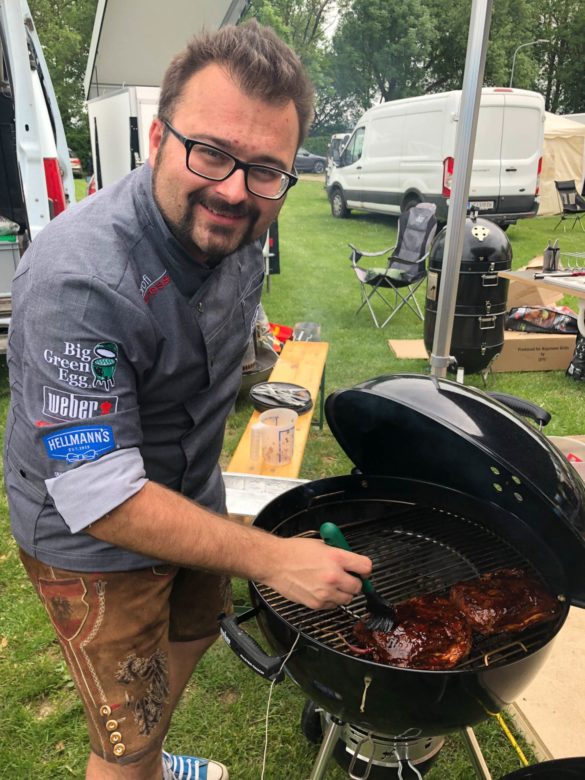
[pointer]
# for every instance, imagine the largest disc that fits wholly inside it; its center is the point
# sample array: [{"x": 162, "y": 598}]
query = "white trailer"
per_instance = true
[
  {"x": 118, "y": 125},
  {"x": 130, "y": 49}
]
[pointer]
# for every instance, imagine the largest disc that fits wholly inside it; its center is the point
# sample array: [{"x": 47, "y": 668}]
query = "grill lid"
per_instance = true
[
  {"x": 437, "y": 430},
  {"x": 485, "y": 248}
]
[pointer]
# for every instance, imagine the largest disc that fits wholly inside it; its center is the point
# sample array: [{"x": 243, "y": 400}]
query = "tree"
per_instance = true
[
  {"x": 303, "y": 24},
  {"x": 380, "y": 49},
  {"x": 512, "y": 22},
  {"x": 64, "y": 28},
  {"x": 563, "y": 23}
]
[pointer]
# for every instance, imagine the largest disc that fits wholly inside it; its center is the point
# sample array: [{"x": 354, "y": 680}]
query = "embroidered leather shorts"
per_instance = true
[{"x": 114, "y": 629}]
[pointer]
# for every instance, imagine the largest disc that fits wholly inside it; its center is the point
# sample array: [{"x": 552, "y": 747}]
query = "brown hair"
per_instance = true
[{"x": 257, "y": 59}]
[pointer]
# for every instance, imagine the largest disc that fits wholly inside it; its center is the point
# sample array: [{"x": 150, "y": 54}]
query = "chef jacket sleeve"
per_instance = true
[{"x": 85, "y": 351}]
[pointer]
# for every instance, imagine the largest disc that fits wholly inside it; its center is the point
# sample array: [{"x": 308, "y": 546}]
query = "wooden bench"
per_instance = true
[{"x": 302, "y": 363}]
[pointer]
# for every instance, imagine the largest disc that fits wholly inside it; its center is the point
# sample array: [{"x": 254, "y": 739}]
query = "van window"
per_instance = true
[
  {"x": 385, "y": 137},
  {"x": 522, "y": 128},
  {"x": 354, "y": 149}
]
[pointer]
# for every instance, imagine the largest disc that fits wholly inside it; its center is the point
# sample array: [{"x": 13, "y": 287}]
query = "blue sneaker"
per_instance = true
[{"x": 191, "y": 768}]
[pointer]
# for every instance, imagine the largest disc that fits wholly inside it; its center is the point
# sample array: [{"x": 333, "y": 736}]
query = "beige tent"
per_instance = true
[{"x": 563, "y": 158}]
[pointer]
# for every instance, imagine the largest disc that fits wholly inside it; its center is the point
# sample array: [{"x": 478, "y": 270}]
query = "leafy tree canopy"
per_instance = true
[{"x": 64, "y": 28}]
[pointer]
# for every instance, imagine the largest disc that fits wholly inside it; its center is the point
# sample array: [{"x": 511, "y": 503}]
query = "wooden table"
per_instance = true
[
  {"x": 570, "y": 285},
  {"x": 302, "y": 363}
]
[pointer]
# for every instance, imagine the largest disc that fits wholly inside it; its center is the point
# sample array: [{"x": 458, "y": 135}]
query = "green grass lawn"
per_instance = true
[{"x": 224, "y": 710}]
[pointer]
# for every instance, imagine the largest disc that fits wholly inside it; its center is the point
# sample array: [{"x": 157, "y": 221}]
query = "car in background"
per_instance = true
[
  {"x": 76, "y": 166},
  {"x": 306, "y": 161}
]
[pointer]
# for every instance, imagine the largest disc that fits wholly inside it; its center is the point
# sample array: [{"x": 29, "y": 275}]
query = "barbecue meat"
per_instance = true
[
  {"x": 430, "y": 633},
  {"x": 505, "y": 601}
]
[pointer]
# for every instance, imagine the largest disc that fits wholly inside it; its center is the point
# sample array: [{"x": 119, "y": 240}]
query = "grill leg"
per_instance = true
[
  {"x": 475, "y": 754},
  {"x": 326, "y": 750}
]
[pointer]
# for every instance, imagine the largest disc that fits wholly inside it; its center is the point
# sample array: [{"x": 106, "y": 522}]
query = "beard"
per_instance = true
[
  {"x": 219, "y": 241},
  {"x": 210, "y": 242}
]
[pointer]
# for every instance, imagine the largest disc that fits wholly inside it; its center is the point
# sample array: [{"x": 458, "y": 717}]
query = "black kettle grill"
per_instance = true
[
  {"x": 480, "y": 306},
  {"x": 450, "y": 483}
]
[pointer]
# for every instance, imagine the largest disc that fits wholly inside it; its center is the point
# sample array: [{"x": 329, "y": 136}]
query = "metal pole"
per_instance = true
[
  {"x": 479, "y": 27},
  {"x": 474, "y": 751},
  {"x": 330, "y": 738}
]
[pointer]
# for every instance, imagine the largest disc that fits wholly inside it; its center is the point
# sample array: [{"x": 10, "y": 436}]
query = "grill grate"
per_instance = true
[{"x": 420, "y": 550}]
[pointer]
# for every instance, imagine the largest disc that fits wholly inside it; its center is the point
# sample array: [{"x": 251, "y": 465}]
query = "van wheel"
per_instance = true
[
  {"x": 410, "y": 202},
  {"x": 338, "y": 207},
  {"x": 319, "y": 167}
]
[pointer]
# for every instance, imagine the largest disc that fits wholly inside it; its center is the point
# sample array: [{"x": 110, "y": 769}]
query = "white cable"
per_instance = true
[{"x": 273, "y": 683}]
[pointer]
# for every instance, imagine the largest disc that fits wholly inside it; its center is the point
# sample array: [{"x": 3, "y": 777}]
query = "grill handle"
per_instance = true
[
  {"x": 523, "y": 407},
  {"x": 247, "y": 649}
]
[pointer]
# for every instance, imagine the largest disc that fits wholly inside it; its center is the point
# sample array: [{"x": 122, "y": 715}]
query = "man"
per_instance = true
[{"x": 131, "y": 315}]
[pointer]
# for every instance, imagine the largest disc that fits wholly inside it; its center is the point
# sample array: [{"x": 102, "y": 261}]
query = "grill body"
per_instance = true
[
  {"x": 478, "y": 326},
  {"x": 422, "y": 538}
]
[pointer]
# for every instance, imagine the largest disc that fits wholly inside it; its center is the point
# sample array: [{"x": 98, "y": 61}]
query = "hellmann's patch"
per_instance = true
[{"x": 83, "y": 443}]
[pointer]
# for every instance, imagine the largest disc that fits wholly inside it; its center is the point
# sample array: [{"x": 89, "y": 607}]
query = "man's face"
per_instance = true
[{"x": 212, "y": 219}]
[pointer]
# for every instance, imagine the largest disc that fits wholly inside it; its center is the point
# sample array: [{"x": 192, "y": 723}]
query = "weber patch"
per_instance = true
[
  {"x": 62, "y": 405},
  {"x": 82, "y": 443}
]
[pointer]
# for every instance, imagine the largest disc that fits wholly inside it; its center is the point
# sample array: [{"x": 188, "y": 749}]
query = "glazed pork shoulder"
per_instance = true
[
  {"x": 430, "y": 633},
  {"x": 505, "y": 601}
]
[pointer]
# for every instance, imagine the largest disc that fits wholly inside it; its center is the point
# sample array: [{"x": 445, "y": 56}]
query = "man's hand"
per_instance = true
[
  {"x": 162, "y": 524},
  {"x": 312, "y": 573}
]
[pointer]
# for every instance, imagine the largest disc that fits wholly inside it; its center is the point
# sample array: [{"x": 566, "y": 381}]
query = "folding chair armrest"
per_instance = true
[{"x": 371, "y": 254}]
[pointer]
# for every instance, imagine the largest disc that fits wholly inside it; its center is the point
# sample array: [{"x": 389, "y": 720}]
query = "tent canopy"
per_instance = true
[
  {"x": 133, "y": 41},
  {"x": 563, "y": 159}
]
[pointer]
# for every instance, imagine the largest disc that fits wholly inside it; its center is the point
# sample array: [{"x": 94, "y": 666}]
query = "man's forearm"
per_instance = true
[{"x": 160, "y": 523}]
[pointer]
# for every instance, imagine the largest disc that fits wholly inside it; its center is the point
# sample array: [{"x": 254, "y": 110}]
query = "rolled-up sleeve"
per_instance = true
[
  {"x": 81, "y": 432},
  {"x": 90, "y": 491}
]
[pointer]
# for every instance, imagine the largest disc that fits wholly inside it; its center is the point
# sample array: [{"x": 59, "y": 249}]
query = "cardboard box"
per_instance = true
[
  {"x": 526, "y": 294},
  {"x": 521, "y": 351},
  {"x": 408, "y": 349},
  {"x": 534, "y": 352}
]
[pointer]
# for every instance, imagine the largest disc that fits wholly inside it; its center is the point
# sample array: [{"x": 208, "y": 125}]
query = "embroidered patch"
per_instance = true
[
  {"x": 149, "y": 288},
  {"x": 66, "y": 604},
  {"x": 85, "y": 443},
  {"x": 76, "y": 365},
  {"x": 147, "y": 709},
  {"x": 75, "y": 406},
  {"x": 104, "y": 365}
]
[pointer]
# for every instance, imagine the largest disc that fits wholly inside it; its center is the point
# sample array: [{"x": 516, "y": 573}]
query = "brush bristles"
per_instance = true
[{"x": 380, "y": 623}]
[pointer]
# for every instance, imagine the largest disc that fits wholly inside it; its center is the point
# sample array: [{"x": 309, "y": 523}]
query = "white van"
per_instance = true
[
  {"x": 36, "y": 182},
  {"x": 402, "y": 153}
]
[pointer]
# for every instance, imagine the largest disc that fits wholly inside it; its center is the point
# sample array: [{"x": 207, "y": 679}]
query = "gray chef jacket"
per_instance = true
[{"x": 125, "y": 360}]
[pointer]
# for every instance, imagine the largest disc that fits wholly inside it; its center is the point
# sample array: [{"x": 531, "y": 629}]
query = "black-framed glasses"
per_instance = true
[{"x": 214, "y": 164}]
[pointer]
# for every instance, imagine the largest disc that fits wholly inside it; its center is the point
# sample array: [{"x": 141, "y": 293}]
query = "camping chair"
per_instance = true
[
  {"x": 405, "y": 270},
  {"x": 572, "y": 204}
]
